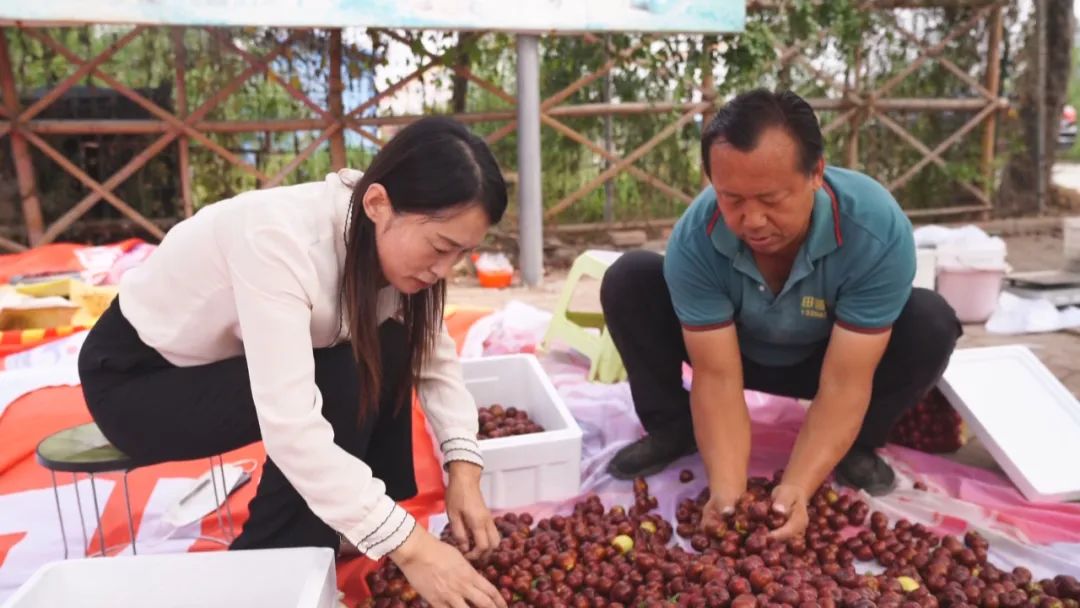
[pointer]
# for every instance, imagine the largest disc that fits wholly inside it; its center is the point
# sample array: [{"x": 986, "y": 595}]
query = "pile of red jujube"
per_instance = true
[
  {"x": 497, "y": 421},
  {"x": 622, "y": 558},
  {"x": 932, "y": 426}
]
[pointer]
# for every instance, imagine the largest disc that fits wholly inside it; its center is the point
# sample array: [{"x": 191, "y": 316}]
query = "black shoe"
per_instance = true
[
  {"x": 864, "y": 469},
  {"x": 650, "y": 455}
]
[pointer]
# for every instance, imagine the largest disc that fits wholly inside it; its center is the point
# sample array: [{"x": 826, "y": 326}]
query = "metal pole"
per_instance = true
[
  {"x": 217, "y": 499},
  {"x": 609, "y": 186},
  {"x": 97, "y": 514},
  {"x": 531, "y": 218},
  {"x": 131, "y": 518},
  {"x": 228, "y": 509},
  {"x": 1040, "y": 106},
  {"x": 82, "y": 520},
  {"x": 59, "y": 512}
]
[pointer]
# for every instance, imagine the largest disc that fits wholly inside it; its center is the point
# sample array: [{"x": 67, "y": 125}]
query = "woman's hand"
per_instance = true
[
  {"x": 470, "y": 518},
  {"x": 441, "y": 575}
]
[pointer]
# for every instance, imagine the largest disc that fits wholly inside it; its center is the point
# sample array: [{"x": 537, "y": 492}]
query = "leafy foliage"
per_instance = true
[{"x": 843, "y": 49}]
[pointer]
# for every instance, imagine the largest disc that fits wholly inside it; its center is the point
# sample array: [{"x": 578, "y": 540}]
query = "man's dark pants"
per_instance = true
[{"x": 642, "y": 322}]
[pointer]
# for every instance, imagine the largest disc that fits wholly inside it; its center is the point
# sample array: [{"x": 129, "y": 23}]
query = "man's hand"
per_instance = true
[
  {"x": 718, "y": 506},
  {"x": 790, "y": 501},
  {"x": 718, "y": 407},
  {"x": 836, "y": 414},
  {"x": 469, "y": 516}
]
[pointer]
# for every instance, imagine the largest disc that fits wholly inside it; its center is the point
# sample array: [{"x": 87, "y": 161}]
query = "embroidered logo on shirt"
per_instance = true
[{"x": 813, "y": 307}]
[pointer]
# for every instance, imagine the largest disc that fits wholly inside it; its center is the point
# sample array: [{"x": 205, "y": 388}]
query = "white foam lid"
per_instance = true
[{"x": 1028, "y": 420}]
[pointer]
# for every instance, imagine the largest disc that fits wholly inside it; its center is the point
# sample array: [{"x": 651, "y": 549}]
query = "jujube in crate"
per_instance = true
[{"x": 498, "y": 421}]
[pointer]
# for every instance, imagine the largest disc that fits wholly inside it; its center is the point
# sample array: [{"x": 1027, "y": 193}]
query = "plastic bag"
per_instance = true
[
  {"x": 1016, "y": 315},
  {"x": 493, "y": 262}
]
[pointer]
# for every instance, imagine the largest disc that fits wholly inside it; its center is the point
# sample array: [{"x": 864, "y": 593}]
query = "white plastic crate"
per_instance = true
[
  {"x": 525, "y": 469},
  {"x": 267, "y": 578}
]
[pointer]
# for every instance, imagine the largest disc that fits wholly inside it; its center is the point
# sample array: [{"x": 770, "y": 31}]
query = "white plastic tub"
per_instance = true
[
  {"x": 525, "y": 469},
  {"x": 268, "y": 578}
]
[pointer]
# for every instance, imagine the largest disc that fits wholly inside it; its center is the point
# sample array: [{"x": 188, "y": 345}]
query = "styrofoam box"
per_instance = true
[
  {"x": 525, "y": 469},
  {"x": 267, "y": 578},
  {"x": 1028, "y": 421}
]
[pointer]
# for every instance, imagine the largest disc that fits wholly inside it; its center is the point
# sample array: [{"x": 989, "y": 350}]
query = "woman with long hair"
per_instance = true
[{"x": 304, "y": 316}]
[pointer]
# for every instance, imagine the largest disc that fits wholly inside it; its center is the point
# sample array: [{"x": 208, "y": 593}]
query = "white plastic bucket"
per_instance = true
[
  {"x": 970, "y": 275},
  {"x": 972, "y": 293}
]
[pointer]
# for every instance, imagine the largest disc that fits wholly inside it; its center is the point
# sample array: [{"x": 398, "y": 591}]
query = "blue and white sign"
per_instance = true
[{"x": 687, "y": 16}]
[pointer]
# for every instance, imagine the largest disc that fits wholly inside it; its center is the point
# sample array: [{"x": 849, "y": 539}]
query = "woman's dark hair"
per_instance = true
[
  {"x": 433, "y": 166},
  {"x": 742, "y": 121}
]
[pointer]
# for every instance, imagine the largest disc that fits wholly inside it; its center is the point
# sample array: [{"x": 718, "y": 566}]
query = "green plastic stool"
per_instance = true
[
  {"x": 572, "y": 327},
  {"x": 84, "y": 449}
]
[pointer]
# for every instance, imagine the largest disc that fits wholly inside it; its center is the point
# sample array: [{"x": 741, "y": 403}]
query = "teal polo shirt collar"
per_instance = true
[{"x": 823, "y": 238}]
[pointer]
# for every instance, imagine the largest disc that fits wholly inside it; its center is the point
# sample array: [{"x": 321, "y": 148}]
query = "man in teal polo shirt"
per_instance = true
[{"x": 784, "y": 276}]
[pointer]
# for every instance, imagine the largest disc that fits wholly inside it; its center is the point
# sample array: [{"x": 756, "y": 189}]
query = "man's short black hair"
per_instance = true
[{"x": 742, "y": 120}]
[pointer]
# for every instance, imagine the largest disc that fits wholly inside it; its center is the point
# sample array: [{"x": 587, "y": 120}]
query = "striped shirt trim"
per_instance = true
[
  {"x": 863, "y": 330},
  {"x": 709, "y": 327}
]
